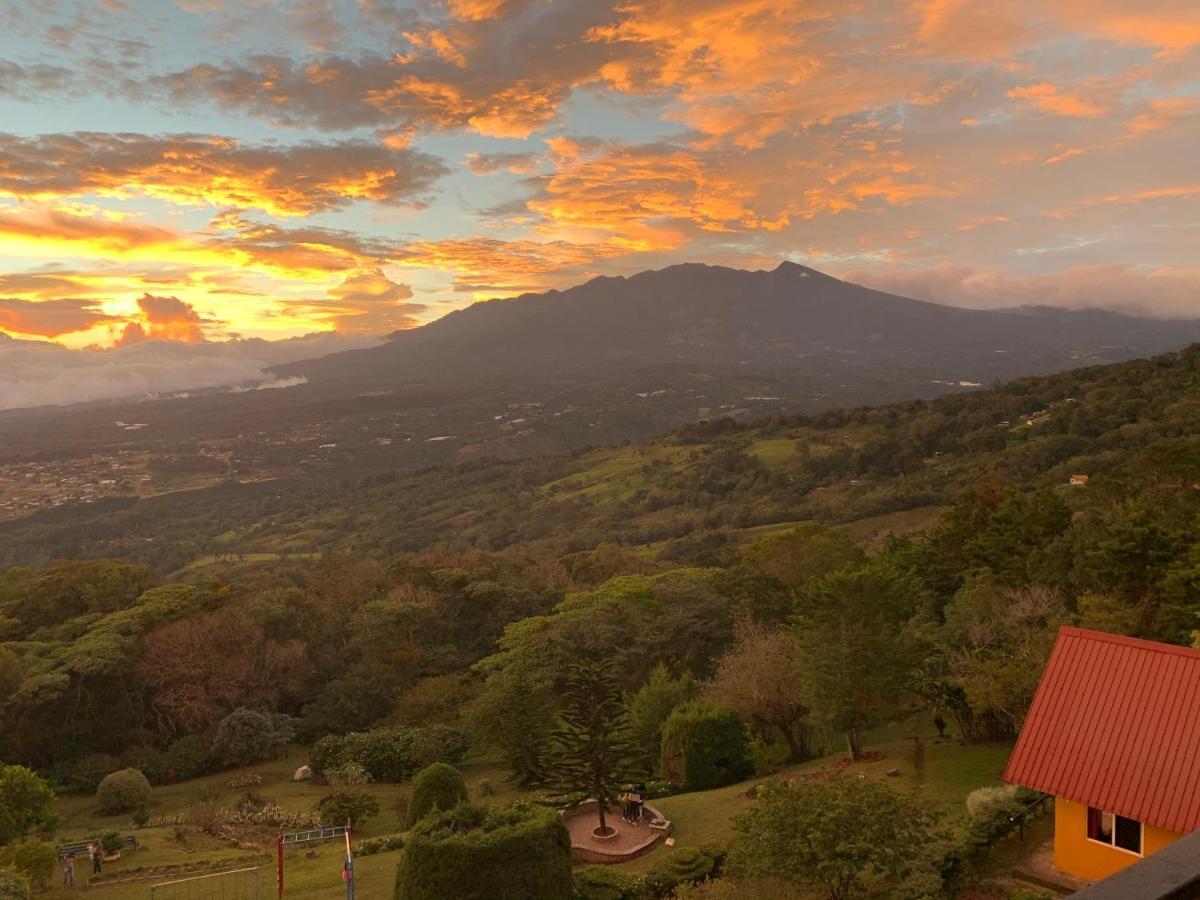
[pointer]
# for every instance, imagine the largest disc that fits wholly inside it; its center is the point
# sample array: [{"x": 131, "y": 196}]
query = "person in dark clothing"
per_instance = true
[{"x": 96, "y": 854}]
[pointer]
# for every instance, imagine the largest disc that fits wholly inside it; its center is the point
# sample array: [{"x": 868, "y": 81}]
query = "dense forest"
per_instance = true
[{"x": 718, "y": 568}]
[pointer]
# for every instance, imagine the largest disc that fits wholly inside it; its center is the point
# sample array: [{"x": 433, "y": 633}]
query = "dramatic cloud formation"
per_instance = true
[
  {"x": 212, "y": 171},
  {"x": 367, "y": 165}
]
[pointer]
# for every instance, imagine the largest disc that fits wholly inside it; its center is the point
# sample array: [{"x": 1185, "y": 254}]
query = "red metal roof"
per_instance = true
[{"x": 1115, "y": 724}]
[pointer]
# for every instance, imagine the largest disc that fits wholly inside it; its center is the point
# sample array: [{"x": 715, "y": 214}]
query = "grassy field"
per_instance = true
[
  {"x": 311, "y": 873},
  {"x": 949, "y": 772}
]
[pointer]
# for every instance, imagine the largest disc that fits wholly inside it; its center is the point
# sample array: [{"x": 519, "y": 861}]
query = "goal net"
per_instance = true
[{"x": 239, "y": 884}]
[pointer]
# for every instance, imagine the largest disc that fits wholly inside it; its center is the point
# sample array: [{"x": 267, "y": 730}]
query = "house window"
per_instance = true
[{"x": 1116, "y": 831}]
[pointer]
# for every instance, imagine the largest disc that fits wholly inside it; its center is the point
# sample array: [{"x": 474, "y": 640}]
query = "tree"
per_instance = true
[
  {"x": 25, "y": 800},
  {"x": 856, "y": 649},
  {"x": 123, "y": 791},
  {"x": 248, "y": 736},
  {"x": 436, "y": 787},
  {"x": 759, "y": 678},
  {"x": 805, "y": 552},
  {"x": 841, "y": 837},
  {"x": 652, "y": 705},
  {"x": 591, "y": 749},
  {"x": 515, "y": 713},
  {"x": 200, "y": 669},
  {"x": 997, "y": 642},
  {"x": 340, "y": 807}
]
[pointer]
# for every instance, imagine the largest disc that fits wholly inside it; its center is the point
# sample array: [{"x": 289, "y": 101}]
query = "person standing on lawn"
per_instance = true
[{"x": 68, "y": 864}]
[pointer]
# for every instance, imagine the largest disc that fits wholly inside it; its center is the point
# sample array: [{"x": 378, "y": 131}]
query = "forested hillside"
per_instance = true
[
  {"x": 1130, "y": 427},
  {"x": 782, "y": 588}
]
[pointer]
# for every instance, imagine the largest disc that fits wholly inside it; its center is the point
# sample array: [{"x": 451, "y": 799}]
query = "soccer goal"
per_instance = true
[{"x": 239, "y": 884}]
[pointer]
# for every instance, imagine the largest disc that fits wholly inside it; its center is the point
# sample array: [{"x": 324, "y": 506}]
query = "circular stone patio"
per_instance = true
[{"x": 630, "y": 841}]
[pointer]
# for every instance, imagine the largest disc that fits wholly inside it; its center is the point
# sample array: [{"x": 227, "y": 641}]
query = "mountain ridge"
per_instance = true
[{"x": 720, "y": 315}]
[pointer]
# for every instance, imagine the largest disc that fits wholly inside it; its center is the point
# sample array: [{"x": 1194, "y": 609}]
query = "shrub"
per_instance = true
[
  {"x": 687, "y": 865},
  {"x": 704, "y": 746},
  {"x": 439, "y": 743},
  {"x": 148, "y": 760},
  {"x": 436, "y": 787},
  {"x": 189, "y": 757},
  {"x": 14, "y": 885},
  {"x": 123, "y": 791},
  {"x": 371, "y": 846},
  {"x": 31, "y": 858},
  {"x": 84, "y": 775},
  {"x": 341, "y": 807},
  {"x": 110, "y": 842},
  {"x": 245, "y": 780},
  {"x": 327, "y": 753},
  {"x": 141, "y": 817},
  {"x": 993, "y": 813},
  {"x": 485, "y": 788},
  {"x": 986, "y": 802},
  {"x": 349, "y": 774},
  {"x": 25, "y": 800},
  {"x": 389, "y": 754},
  {"x": 604, "y": 883},
  {"x": 477, "y": 853},
  {"x": 247, "y": 736}
]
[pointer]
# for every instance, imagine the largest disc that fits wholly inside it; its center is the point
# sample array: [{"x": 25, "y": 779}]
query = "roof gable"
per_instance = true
[{"x": 1115, "y": 724}]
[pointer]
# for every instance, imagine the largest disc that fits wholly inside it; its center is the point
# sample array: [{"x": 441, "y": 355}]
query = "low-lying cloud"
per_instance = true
[
  {"x": 39, "y": 373},
  {"x": 1157, "y": 293}
]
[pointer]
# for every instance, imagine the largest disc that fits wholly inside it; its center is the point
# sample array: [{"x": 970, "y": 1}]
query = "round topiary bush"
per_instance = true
[
  {"x": 437, "y": 787},
  {"x": 479, "y": 853},
  {"x": 123, "y": 791}
]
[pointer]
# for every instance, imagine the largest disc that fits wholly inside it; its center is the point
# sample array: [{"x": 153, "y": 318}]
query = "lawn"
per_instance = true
[{"x": 948, "y": 774}]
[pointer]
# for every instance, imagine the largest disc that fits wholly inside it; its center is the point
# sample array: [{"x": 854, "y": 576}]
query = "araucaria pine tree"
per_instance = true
[{"x": 591, "y": 747}]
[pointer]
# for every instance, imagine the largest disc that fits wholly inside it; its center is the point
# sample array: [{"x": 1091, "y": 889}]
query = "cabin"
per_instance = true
[{"x": 1114, "y": 735}]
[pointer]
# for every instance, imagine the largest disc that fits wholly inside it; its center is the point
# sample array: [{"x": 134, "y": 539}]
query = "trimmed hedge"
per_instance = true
[
  {"x": 480, "y": 853},
  {"x": 435, "y": 788},
  {"x": 705, "y": 746},
  {"x": 123, "y": 791}
]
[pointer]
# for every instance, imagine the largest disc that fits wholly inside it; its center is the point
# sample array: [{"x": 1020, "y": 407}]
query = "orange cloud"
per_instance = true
[
  {"x": 50, "y": 318},
  {"x": 198, "y": 170},
  {"x": 1161, "y": 113},
  {"x": 1047, "y": 98},
  {"x": 164, "y": 319},
  {"x": 967, "y": 29},
  {"x": 489, "y": 267}
]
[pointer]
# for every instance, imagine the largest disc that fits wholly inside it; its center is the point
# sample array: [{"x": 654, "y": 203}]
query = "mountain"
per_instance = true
[
  {"x": 613, "y": 360},
  {"x": 770, "y": 321}
]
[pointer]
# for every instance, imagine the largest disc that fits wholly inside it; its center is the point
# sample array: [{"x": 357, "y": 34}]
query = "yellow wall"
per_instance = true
[{"x": 1076, "y": 855}]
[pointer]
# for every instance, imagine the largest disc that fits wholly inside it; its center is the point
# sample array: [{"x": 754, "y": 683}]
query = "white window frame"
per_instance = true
[{"x": 1112, "y": 844}]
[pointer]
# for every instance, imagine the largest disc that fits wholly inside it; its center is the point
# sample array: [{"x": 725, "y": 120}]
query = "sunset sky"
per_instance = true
[{"x": 203, "y": 169}]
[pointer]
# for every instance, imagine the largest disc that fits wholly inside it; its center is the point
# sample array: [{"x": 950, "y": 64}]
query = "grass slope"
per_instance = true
[{"x": 949, "y": 773}]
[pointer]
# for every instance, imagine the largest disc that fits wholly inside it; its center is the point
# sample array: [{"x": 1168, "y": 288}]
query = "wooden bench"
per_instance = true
[{"x": 81, "y": 847}]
